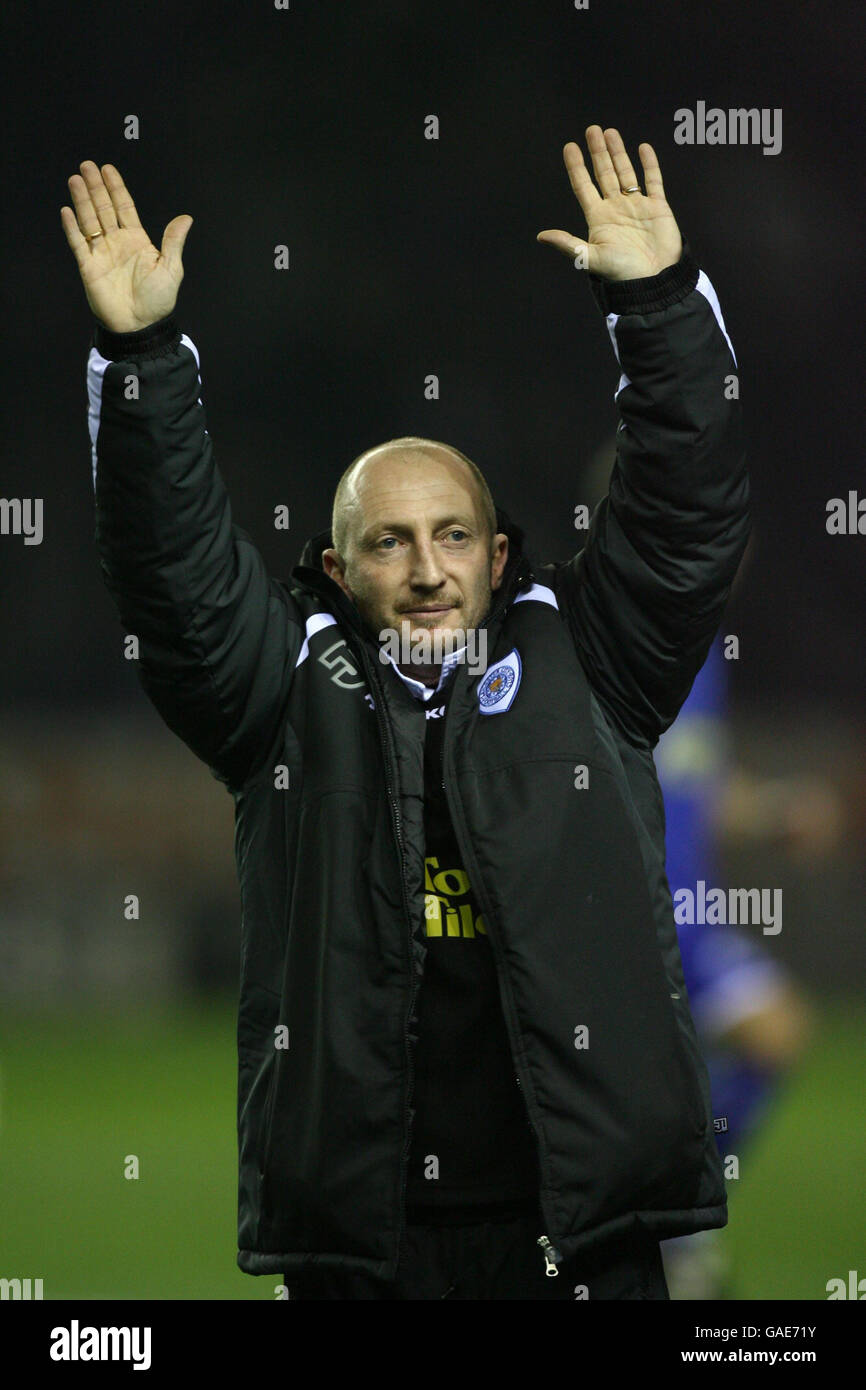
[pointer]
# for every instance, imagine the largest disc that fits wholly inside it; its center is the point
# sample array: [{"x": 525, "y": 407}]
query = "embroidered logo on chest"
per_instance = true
[{"x": 497, "y": 689}]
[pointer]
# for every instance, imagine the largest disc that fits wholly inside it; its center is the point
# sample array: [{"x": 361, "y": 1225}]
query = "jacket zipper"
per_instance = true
[
  {"x": 387, "y": 742},
  {"x": 551, "y": 1254}
]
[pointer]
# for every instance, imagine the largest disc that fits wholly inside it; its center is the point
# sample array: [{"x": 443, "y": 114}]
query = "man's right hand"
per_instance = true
[{"x": 128, "y": 283}]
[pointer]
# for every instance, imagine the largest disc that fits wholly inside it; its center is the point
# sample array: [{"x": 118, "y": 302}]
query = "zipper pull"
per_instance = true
[{"x": 550, "y": 1256}]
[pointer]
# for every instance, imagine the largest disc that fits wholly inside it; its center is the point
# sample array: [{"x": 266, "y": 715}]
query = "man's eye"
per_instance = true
[{"x": 458, "y": 531}]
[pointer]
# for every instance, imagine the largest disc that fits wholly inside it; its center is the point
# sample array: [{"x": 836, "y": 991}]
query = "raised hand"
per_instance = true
[
  {"x": 630, "y": 235},
  {"x": 128, "y": 283}
]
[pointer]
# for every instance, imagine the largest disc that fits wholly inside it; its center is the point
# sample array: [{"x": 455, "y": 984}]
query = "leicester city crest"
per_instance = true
[{"x": 498, "y": 686}]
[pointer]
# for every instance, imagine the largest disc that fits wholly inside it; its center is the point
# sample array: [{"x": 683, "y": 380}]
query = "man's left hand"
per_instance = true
[{"x": 631, "y": 235}]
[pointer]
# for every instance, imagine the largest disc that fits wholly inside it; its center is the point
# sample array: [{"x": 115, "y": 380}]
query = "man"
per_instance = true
[{"x": 484, "y": 888}]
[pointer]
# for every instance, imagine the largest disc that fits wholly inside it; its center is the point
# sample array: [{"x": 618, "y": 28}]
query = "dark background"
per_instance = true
[{"x": 410, "y": 256}]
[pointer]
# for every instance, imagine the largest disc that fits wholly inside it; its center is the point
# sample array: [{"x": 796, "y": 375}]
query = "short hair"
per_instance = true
[{"x": 339, "y": 518}]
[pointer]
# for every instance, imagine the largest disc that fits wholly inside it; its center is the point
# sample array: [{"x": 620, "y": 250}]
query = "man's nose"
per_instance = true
[{"x": 425, "y": 566}]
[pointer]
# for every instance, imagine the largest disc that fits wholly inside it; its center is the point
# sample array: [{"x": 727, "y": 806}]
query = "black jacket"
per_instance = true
[{"x": 277, "y": 686}]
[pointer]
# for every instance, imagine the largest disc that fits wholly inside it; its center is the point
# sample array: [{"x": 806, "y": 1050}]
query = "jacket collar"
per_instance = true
[{"x": 309, "y": 575}]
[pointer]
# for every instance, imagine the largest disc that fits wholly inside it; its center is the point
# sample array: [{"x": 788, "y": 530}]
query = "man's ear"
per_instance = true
[
  {"x": 499, "y": 559},
  {"x": 335, "y": 568}
]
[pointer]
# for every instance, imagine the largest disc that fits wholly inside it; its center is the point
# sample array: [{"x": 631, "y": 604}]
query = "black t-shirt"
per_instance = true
[{"x": 472, "y": 1153}]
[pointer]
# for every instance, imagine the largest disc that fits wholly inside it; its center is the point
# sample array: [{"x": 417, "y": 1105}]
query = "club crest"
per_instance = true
[{"x": 498, "y": 686}]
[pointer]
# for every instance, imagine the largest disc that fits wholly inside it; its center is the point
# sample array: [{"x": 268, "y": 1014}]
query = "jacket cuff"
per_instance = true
[
  {"x": 150, "y": 341},
  {"x": 651, "y": 292}
]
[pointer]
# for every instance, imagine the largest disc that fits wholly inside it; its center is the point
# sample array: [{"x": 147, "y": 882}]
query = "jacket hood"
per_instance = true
[{"x": 310, "y": 573}]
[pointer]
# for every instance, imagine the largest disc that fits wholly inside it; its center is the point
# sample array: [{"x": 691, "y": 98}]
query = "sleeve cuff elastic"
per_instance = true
[
  {"x": 650, "y": 293},
  {"x": 150, "y": 341}
]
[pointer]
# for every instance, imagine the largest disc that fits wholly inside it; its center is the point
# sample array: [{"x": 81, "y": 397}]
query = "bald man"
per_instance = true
[
  {"x": 436, "y": 573},
  {"x": 466, "y": 1062}
]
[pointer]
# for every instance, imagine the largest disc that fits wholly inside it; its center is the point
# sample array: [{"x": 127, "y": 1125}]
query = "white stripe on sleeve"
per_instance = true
[
  {"x": 705, "y": 286},
  {"x": 612, "y": 320},
  {"x": 96, "y": 365}
]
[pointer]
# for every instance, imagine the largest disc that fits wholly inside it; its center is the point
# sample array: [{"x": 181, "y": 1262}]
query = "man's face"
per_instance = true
[{"x": 418, "y": 552}]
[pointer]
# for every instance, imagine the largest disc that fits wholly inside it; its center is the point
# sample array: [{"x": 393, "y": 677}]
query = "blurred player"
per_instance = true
[{"x": 750, "y": 1015}]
